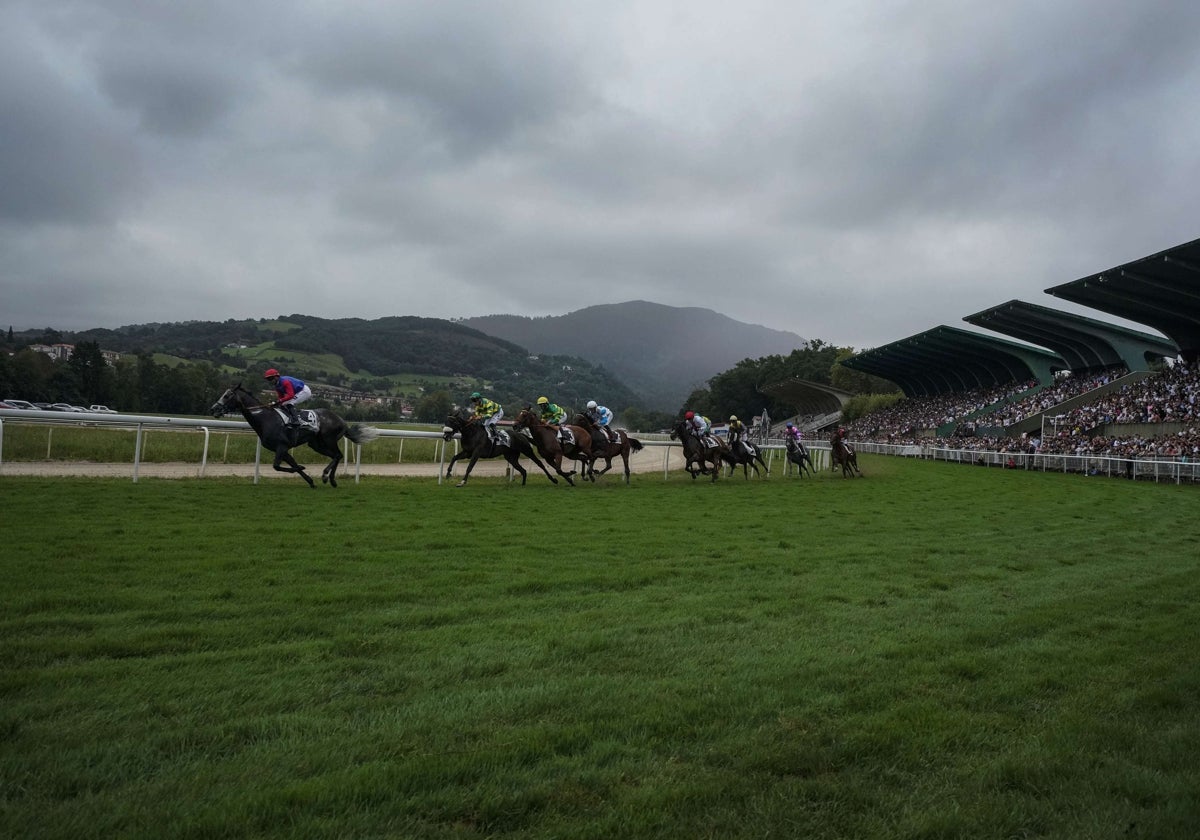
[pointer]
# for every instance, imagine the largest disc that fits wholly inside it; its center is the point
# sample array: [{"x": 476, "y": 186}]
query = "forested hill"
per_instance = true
[
  {"x": 663, "y": 351},
  {"x": 362, "y": 354}
]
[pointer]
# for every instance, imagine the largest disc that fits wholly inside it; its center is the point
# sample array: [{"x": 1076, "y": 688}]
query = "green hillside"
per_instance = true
[{"x": 400, "y": 357}]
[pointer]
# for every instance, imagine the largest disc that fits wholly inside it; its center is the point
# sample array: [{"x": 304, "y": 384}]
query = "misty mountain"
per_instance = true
[{"x": 662, "y": 352}]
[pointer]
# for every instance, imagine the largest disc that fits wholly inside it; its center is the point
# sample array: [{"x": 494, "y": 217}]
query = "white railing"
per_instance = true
[
  {"x": 1177, "y": 470},
  {"x": 141, "y": 423}
]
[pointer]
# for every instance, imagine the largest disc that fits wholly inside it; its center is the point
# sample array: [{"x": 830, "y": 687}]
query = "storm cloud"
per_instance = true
[{"x": 856, "y": 172}]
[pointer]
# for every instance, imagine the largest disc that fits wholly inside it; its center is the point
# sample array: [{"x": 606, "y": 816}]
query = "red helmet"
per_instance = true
[
  {"x": 270, "y": 372},
  {"x": 689, "y": 415}
]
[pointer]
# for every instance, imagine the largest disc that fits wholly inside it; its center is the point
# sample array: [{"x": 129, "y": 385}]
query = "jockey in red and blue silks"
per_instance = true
[{"x": 291, "y": 391}]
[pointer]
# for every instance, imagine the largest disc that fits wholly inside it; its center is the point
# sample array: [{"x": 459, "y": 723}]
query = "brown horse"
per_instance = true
[
  {"x": 545, "y": 438},
  {"x": 843, "y": 455},
  {"x": 603, "y": 447},
  {"x": 696, "y": 451}
]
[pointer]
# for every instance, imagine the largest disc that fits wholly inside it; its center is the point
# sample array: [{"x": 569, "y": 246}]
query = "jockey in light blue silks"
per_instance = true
[{"x": 601, "y": 417}]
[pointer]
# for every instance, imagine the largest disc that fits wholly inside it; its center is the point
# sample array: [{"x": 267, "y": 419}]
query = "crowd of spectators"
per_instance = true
[
  {"x": 906, "y": 420},
  {"x": 1169, "y": 396},
  {"x": 1057, "y": 393}
]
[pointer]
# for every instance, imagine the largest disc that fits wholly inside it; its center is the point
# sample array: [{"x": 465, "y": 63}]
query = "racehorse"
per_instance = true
[
  {"x": 607, "y": 449},
  {"x": 321, "y": 429},
  {"x": 545, "y": 437},
  {"x": 696, "y": 451},
  {"x": 843, "y": 456},
  {"x": 746, "y": 455},
  {"x": 797, "y": 453},
  {"x": 475, "y": 445}
]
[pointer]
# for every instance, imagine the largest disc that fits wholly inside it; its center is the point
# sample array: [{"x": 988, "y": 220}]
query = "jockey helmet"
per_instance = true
[
  {"x": 543, "y": 401},
  {"x": 689, "y": 415},
  {"x": 842, "y": 430},
  {"x": 270, "y": 372},
  {"x": 591, "y": 404},
  {"x": 476, "y": 396},
  {"x": 790, "y": 426},
  {"x": 732, "y": 418}
]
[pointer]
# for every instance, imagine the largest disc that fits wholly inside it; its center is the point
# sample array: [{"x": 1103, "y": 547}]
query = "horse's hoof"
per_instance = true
[{"x": 461, "y": 483}]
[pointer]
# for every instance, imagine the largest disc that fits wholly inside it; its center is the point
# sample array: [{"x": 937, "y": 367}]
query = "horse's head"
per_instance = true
[
  {"x": 454, "y": 423},
  {"x": 233, "y": 399},
  {"x": 525, "y": 419}
]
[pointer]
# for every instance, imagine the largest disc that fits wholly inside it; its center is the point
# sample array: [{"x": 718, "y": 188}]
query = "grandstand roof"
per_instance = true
[
  {"x": 1161, "y": 290},
  {"x": 808, "y": 397},
  {"x": 1084, "y": 343},
  {"x": 946, "y": 360}
]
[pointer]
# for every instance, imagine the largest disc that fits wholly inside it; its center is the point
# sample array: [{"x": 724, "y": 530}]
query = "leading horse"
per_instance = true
[
  {"x": 843, "y": 455},
  {"x": 696, "y": 451},
  {"x": 546, "y": 438},
  {"x": 476, "y": 445},
  {"x": 322, "y": 432},
  {"x": 606, "y": 448}
]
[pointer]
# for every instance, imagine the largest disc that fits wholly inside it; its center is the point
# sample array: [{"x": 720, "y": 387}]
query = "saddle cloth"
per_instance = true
[{"x": 308, "y": 418}]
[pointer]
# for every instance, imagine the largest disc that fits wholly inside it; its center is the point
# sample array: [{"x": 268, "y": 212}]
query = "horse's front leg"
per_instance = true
[
  {"x": 453, "y": 459},
  {"x": 467, "y": 474}
]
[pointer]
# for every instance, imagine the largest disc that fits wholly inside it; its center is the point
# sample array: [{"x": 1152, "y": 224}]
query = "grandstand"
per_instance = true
[{"x": 1109, "y": 389}]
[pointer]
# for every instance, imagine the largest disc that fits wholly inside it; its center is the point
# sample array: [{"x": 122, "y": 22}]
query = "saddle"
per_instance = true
[
  {"x": 566, "y": 436},
  {"x": 308, "y": 418}
]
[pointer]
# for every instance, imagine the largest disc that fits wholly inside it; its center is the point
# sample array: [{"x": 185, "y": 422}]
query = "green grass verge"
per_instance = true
[{"x": 933, "y": 651}]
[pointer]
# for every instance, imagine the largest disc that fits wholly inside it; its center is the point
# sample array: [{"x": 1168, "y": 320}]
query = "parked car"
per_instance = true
[
  {"x": 10, "y": 403},
  {"x": 66, "y": 407},
  {"x": 102, "y": 409}
]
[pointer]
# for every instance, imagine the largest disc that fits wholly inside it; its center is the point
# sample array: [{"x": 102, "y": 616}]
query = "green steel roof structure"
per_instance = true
[
  {"x": 1161, "y": 291},
  {"x": 809, "y": 397},
  {"x": 948, "y": 360},
  {"x": 1084, "y": 343}
]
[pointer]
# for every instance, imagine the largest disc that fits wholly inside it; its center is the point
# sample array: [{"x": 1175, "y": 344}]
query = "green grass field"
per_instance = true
[{"x": 935, "y": 651}]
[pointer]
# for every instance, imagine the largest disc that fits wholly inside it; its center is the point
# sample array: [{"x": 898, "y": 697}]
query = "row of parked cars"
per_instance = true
[{"x": 25, "y": 404}]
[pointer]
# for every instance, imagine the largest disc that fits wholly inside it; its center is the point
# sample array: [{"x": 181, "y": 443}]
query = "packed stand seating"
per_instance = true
[
  {"x": 904, "y": 421},
  {"x": 1171, "y": 396},
  {"x": 1059, "y": 392}
]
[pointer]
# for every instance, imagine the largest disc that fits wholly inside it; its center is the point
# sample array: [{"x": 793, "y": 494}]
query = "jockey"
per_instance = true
[
  {"x": 556, "y": 416},
  {"x": 699, "y": 426},
  {"x": 600, "y": 417},
  {"x": 550, "y": 413},
  {"x": 291, "y": 391},
  {"x": 736, "y": 430},
  {"x": 487, "y": 411},
  {"x": 840, "y": 435},
  {"x": 792, "y": 433}
]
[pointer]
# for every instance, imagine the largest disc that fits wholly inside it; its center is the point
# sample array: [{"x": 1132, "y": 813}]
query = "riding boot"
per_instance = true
[{"x": 293, "y": 418}]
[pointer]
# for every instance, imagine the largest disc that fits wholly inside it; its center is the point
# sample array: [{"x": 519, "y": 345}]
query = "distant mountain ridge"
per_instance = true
[{"x": 662, "y": 352}]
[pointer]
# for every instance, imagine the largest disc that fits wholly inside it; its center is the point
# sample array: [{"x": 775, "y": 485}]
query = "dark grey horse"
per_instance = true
[{"x": 322, "y": 434}]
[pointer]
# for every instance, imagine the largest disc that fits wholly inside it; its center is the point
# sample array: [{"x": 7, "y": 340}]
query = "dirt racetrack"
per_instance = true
[{"x": 649, "y": 460}]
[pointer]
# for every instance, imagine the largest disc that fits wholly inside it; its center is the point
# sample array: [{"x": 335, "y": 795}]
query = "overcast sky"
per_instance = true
[{"x": 852, "y": 171}]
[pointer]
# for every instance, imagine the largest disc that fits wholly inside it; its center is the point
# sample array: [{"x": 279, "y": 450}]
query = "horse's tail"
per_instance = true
[
  {"x": 635, "y": 444},
  {"x": 361, "y": 434}
]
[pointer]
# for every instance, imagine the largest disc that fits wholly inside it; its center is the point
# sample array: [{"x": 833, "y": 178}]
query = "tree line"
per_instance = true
[{"x": 139, "y": 384}]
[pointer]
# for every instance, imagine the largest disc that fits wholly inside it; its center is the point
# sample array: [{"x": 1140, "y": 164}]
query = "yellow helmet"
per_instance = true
[
  {"x": 732, "y": 418},
  {"x": 542, "y": 400}
]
